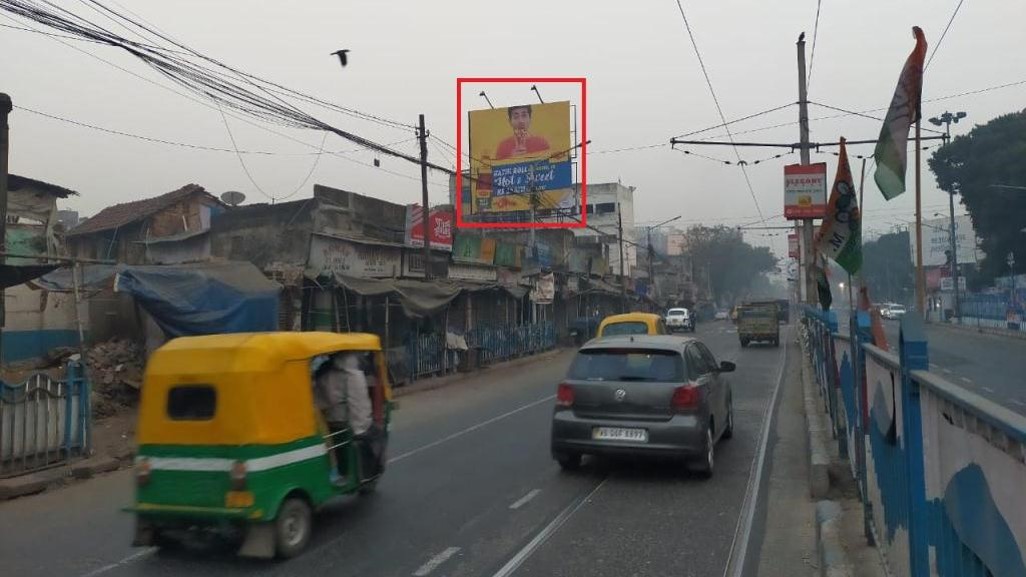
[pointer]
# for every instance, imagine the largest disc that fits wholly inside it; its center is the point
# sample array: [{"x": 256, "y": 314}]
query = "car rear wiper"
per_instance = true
[{"x": 632, "y": 378}]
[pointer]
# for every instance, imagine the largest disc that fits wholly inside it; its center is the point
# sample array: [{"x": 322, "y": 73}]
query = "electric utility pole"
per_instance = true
[
  {"x": 5, "y": 109},
  {"x": 619, "y": 243},
  {"x": 806, "y": 238},
  {"x": 425, "y": 209},
  {"x": 946, "y": 119}
]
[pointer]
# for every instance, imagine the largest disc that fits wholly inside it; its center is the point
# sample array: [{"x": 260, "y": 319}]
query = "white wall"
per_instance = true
[{"x": 623, "y": 197}]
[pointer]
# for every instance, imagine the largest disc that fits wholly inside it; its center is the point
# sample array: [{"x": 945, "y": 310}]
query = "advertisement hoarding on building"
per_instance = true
[
  {"x": 440, "y": 220},
  {"x": 517, "y": 150},
  {"x": 937, "y": 240},
  {"x": 805, "y": 191},
  {"x": 329, "y": 255}
]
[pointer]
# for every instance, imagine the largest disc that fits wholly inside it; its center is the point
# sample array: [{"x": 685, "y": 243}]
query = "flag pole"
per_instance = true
[{"x": 920, "y": 277}]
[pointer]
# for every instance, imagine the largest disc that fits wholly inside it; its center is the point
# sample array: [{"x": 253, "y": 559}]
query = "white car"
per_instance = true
[
  {"x": 722, "y": 315},
  {"x": 893, "y": 312},
  {"x": 680, "y": 320}
]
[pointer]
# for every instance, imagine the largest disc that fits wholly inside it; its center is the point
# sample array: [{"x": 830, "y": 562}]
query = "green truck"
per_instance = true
[{"x": 758, "y": 321}]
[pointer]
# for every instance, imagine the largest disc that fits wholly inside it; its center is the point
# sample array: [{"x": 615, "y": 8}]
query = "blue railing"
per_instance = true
[
  {"x": 427, "y": 355},
  {"x": 44, "y": 421},
  {"x": 940, "y": 470},
  {"x": 500, "y": 343}
]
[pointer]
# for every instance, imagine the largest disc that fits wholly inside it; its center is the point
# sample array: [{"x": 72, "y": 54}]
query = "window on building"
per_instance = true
[{"x": 605, "y": 207}]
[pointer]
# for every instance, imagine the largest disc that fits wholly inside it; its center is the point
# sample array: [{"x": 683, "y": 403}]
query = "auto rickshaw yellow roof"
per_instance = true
[
  {"x": 626, "y": 317},
  {"x": 247, "y": 352}
]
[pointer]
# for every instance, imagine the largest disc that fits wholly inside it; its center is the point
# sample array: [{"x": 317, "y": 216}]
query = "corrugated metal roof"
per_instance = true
[{"x": 129, "y": 212}]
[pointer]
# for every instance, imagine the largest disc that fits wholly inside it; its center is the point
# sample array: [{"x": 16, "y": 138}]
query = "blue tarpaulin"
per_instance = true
[{"x": 206, "y": 298}]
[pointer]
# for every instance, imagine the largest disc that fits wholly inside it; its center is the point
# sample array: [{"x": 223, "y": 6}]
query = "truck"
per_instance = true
[{"x": 758, "y": 321}]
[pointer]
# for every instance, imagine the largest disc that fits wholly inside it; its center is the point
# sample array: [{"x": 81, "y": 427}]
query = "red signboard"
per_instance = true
[
  {"x": 439, "y": 221},
  {"x": 792, "y": 245},
  {"x": 805, "y": 191}
]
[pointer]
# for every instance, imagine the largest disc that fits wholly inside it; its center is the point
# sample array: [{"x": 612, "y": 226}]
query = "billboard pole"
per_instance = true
[
  {"x": 425, "y": 210},
  {"x": 803, "y": 132}
]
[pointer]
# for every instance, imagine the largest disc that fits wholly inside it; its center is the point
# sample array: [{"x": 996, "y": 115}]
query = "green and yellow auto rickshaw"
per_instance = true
[{"x": 230, "y": 439}]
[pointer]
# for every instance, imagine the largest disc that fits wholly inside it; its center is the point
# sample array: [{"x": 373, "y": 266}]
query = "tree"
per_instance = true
[
  {"x": 992, "y": 153},
  {"x": 730, "y": 265},
  {"x": 887, "y": 267}
]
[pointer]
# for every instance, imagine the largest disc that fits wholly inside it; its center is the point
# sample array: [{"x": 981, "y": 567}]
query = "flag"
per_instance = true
[
  {"x": 822, "y": 282},
  {"x": 840, "y": 236},
  {"x": 875, "y": 322},
  {"x": 892, "y": 146}
]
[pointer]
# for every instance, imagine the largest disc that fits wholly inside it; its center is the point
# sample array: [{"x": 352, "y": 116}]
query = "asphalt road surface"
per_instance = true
[
  {"x": 470, "y": 490},
  {"x": 992, "y": 366}
]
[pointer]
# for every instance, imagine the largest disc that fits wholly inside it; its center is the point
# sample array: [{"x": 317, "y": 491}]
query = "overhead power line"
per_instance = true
[
  {"x": 943, "y": 34},
  {"x": 716, "y": 101},
  {"x": 815, "y": 35}
]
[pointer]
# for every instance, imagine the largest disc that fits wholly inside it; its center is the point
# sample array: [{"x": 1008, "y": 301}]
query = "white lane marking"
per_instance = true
[
  {"x": 435, "y": 561},
  {"x": 1018, "y": 402},
  {"x": 934, "y": 365},
  {"x": 517, "y": 560},
  {"x": 970, "y": 381},
  {"x": 470, "y": 429},
  {"x": 743, "y": 531},
  {"x": 989, "y": 390},
  {"x": 126, "y": 561},
  {"x": 523, "y": 500},
  {"x": 946, "y": 371}
]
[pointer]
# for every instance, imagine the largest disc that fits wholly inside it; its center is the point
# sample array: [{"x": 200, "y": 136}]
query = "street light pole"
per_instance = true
[{"x": 946, "y": 119}]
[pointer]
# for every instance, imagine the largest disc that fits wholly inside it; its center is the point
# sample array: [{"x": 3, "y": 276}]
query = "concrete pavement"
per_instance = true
[{"x": 470, "y": 490}]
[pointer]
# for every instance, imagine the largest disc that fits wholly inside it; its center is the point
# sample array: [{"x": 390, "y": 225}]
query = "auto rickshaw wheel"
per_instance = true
[{"x": 292, "y": 527}]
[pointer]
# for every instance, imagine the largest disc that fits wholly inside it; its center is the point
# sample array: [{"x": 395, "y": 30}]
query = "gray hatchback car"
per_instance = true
[{"x": 643, "y": 395}]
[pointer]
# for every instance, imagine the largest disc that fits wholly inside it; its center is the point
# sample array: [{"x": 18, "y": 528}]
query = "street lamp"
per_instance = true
[{"x": 946, "y": 119}]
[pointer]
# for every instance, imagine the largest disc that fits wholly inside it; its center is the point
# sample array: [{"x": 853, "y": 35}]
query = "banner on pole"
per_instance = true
[{"x": 805, "y": 190}]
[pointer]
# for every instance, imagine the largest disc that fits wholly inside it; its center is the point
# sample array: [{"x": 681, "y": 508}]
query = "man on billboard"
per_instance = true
[{"x": 522, "y": 143}]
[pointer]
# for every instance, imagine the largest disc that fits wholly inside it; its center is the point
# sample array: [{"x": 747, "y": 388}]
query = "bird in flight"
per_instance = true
[{"x": 341, "y": 56}]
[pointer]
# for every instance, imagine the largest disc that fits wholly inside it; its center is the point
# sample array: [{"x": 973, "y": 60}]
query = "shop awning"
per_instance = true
[{"x": 418, "y": 298}]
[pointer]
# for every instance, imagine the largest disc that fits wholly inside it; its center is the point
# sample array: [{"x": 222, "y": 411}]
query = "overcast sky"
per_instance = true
[{"x": 645, "y": 85}]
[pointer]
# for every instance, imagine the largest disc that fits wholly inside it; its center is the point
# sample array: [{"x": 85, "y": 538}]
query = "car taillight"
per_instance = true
[
  {"x": 564, "y": 395},
  {"x": 238, "y": 476},
  {"x": 685, "y": 397},
  {"x": 142, "y": 472}
]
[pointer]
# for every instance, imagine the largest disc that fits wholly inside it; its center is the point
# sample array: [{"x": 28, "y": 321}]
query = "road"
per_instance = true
[
  {"x": 470, "y": 490},
  {"x": 989, "y": 365}
]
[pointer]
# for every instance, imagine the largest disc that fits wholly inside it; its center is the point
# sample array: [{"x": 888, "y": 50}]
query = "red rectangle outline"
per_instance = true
[{"x": 459, "y": 154}]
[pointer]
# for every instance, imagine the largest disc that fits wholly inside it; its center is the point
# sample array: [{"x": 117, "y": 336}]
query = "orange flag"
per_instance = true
[{"x": 875, "y": 322}]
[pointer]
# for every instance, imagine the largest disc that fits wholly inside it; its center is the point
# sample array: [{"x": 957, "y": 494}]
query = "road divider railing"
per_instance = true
[{"x": 940, "y": 470}]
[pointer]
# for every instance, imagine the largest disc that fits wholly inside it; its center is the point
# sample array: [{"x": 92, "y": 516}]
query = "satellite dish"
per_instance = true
[{"x": 233, "y": 198}]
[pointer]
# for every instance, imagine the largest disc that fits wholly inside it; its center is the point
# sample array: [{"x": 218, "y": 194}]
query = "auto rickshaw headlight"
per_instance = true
[
  {"x": 238, "y": 476},
  {"x": 142, "y": 472}
]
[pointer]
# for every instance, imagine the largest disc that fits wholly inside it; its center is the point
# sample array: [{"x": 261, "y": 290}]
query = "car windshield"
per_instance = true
[
  {"x": 627, "y": 365},
  {"x": 677, "y": 313},
  {"x": 626, "y": 328}
]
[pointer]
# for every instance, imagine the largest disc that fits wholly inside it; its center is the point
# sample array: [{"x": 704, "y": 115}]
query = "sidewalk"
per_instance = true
[{"x": 813, "y": 515}]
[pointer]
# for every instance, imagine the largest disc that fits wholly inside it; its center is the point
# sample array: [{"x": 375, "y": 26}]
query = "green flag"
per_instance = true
[
  {"x": 840, "y": 235},
  {"x": 892, "y": 147}
]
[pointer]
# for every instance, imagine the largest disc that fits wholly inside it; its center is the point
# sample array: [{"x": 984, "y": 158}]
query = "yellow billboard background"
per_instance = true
[{"x": 496, "y": 143}]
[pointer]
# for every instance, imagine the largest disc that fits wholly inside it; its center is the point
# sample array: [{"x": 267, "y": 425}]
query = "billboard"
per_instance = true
[
  {"x": 519, "y": 151},
  {"x": 937, "y": 240},
  {"x": 805, "y": 191},
  {"x": 676, "y": 243},
  {"x": 439, "y": 222},
  {"x": 792, "y": 245}
]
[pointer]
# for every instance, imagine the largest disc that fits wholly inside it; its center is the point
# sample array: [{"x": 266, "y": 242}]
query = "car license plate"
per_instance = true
[{"x": 619, "y": 434}]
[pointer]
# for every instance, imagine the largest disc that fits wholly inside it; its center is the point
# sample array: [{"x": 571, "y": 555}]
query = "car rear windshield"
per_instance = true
[
  {"x": 677, "y": 313},
  {"x": 192, "y": 403},
  {"x": 627, "y": 365},
  {"x": 633, "y": 328}
]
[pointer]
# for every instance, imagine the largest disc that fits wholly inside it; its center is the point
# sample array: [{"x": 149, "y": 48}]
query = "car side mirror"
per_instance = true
[{"x": 727, "y": 367}]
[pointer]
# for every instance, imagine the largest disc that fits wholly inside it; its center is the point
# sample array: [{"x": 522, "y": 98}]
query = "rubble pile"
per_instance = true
[{"x": 115, "y": 370}]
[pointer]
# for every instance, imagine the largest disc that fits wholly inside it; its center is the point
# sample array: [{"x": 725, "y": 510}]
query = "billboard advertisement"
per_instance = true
[
  {"x": 520, "y": 151},
  {"x": 937, "y": 240},
  {"x": 676, "y": 243},
  {"x": 805, "y": 191},
  {"x": 439, "y": 221}
]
